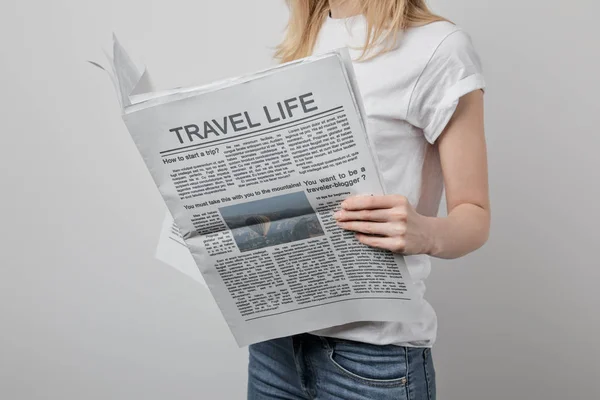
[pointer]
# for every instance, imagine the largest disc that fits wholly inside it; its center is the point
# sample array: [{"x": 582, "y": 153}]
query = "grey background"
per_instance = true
[{"x": 87, "y": 313}]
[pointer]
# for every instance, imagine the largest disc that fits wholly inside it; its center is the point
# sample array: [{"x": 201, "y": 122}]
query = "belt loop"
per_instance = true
[{"x": 327, "y": 344}]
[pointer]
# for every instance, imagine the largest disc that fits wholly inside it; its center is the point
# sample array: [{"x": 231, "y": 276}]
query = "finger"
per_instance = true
[
  {"x": 363, "y": 202},
  {"x": 363, "y": 215},
  {"x": 393, "y": 244},
  {"x": 370, "y": 228}
]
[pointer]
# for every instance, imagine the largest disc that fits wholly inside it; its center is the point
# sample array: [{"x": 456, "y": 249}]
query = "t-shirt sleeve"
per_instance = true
[{"x": 453, "y": 70}]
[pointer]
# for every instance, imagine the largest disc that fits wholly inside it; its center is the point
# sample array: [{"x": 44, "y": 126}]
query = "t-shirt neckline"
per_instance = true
[{"x": 344, "y": 20}]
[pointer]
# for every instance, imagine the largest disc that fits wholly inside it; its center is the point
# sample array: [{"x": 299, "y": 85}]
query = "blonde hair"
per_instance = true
[{"x": 384, "y": 19}]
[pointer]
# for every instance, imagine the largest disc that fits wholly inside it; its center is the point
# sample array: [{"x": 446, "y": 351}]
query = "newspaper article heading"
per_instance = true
[{"x": 242, "y": 121}]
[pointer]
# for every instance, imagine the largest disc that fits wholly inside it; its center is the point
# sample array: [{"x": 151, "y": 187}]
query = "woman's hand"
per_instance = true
[{"x": 387, "y": 222}]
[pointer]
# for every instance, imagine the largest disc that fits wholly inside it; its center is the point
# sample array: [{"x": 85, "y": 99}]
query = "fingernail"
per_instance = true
[{"x": 337, "y": 215}]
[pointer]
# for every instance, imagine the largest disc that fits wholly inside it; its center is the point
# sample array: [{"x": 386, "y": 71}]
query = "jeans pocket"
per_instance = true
[{"x": 373, "y": 365}]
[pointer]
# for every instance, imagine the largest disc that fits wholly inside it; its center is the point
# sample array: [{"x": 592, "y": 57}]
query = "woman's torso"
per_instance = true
[{"x": 391, "y": 87}]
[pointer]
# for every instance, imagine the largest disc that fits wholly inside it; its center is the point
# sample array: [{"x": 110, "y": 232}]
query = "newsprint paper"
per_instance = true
[
  {"x": 173, "y": 251},
  {"x": 252, "y": 170}
]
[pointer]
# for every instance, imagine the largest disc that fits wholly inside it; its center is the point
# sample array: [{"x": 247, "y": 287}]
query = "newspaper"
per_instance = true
[
  {"x": 252, "y": 170},
  {"x": 173, "y": 251}
]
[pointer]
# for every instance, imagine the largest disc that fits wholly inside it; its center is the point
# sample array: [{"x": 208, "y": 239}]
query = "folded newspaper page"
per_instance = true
[
  {"x": 173, "y": 251},
  {"x": 252, "y": 170},
  {"x": 128, "y": 81}
]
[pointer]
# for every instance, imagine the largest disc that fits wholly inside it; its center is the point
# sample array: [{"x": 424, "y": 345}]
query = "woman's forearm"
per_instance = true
[{"x": 465, "y": 229}]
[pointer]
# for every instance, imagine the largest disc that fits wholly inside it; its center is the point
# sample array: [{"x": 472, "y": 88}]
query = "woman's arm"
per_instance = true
[{"x": 390, "y": 222}]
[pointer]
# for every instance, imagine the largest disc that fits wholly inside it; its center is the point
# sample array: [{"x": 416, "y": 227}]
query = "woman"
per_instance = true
[{"x": 421, "y": 82}]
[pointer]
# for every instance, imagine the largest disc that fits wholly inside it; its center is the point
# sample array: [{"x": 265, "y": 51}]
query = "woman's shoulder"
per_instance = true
[
  {"x": 430, "y": 37},
  {"x": 436, "y": 42}
]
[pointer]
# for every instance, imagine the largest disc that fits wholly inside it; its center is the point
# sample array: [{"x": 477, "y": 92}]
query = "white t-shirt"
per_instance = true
[{"x": 410, "y": 94}]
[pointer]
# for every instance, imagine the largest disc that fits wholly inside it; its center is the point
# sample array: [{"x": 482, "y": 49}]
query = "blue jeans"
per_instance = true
[{"x": 309, "y": 367}]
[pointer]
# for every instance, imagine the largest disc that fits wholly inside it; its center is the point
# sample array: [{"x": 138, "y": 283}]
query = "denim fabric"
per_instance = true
[{"x": 304, "y": 367}]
